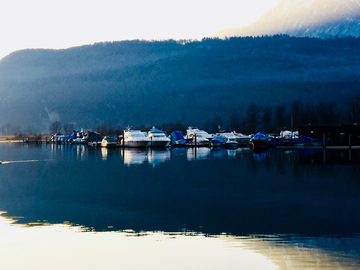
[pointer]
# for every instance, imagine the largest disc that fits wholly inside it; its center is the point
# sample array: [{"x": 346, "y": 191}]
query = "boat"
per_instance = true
[
  {"x": 135, "y": 138},
  {"x": 230, "y": 139},
  {"x": 198, "y": 137},
  {"x": 260, "y": 140},
  {"x": 217, "y": 141},
  {"x": 109, "y": 141},
  {"x": 158, "y": 138},
  {"x": 177, "y": 139},
  {"x": 242, "y": 139},
  {"x": 79, "y": 137}
]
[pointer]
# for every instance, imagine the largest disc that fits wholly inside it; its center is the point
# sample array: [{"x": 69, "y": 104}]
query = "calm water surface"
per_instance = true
[{"x": 77, "y": 207}]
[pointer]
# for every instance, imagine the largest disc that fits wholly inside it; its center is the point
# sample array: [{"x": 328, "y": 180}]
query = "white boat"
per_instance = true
[
  {"x": 242, "y": 139},
  {"x": 197, "y": 136},
  {"x": 109, "y": 141},
  {"x": 230, "y": 139},
  {"x": 135, "y": 138},
  {"x": 158, "y": 138}
]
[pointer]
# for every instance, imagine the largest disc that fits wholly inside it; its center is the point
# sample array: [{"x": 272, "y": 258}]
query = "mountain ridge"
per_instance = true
[
  {"x": 304, "y": 18},
  {"x": 150, "y": 83}
]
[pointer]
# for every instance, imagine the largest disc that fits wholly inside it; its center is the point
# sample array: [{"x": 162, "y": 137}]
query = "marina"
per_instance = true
[{"x": 156, "y": 138}]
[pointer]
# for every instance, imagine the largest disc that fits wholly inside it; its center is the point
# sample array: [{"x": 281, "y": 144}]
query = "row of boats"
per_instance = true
[{"x": 157, "y": 138}]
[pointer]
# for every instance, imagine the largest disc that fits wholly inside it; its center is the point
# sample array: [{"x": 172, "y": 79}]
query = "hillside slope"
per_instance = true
[{"x": 139, "y": 82}]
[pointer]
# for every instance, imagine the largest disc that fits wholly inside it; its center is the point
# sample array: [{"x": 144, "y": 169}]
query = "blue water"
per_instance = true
[{"x": 301, "y": 197}]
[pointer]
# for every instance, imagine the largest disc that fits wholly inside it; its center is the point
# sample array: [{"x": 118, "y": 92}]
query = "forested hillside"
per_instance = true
[{"x": 205, "y": 83}]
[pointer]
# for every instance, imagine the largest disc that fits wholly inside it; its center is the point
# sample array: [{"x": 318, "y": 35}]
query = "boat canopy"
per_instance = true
[
  {"x": 111, "y": 138},
  {"x": 259, "y": 136},
  {"x": 178, "y": 138},
  {"x": 220, "y": 139},
  {"x": 156, "y": 130}
]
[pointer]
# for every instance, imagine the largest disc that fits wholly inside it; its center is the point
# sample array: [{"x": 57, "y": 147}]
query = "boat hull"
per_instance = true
[
  {"x": 108, "y": 144},
  {"x": 259, "y": 143},
  {"x": 159, "y": 143},
  {"x": 231, "y": 145},
  {"x": 136, "y": 144},
  {"x": 217, "y": 144}
]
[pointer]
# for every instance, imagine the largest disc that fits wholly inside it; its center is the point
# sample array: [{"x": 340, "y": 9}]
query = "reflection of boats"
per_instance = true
[
  {"x": 230, "y": 139},
  {"x": 260, "y": 140},
  {"x": 219, "y": 152},
  {"x": 197, "y": 136},
  {"x": 231, "y": 152},
  {"x": 155, "y": 157},
  {"x": 135, "y": 138},
  {"x": 217, "y": 141},
  {"x": 134, "y": 156},
  {"x": 259, "y": 155},
  {"x": 177, "y": 139},
  {"x": 198, "y": 153},
  {"x": 158, "y": 138},
  {"x": 109, "y": 141}
]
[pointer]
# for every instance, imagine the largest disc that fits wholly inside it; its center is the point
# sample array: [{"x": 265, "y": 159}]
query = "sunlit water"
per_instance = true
[{"x": 74, "y": 207}]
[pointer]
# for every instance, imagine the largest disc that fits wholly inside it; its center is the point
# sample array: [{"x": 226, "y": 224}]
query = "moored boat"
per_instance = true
[
  {"x": 217, "y": 141},
  {"x": 158, "y": 138},
  {"x": 260, "y": 140},
  {"x": 109, "y": 141},
  {"x": 242, "y": 139},
  {"x": 198, "y": 137},
  {"x": 230, "y": 139},
  {"x": 135, "y": 138},
  {"x": 177, "y": 139}
]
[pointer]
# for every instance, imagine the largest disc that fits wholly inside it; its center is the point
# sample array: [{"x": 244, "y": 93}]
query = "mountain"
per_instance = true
[
  {"x": 154, "y": 82},
  {"x": 305, "y": 18}
]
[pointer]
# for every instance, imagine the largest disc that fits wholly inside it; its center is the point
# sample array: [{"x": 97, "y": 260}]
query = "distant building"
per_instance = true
[{"x": 336, "y": 134}]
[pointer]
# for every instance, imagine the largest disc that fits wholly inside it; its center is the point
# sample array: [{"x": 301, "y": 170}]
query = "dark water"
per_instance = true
[{"x": 307, "y": 197}]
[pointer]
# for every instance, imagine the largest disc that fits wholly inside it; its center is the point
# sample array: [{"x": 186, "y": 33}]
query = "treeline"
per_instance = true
[
  {"x": 253, "y": 118},
  {"x": 290, "y": 116}
]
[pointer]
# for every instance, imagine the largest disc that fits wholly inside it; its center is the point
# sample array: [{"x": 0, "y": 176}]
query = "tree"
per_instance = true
[
  {"x": 68, "y": 128},
  {"x": 9, "y": 129},
  {"x": 280, "y": 114},
  {"x": 55, "y": 127},
  {"x": 266, "y": 119},
  {"x": 296, "y": 107},
  {"x": 327, "y": 113},
  {"x": 354, "y": 109},
  {"x": 216, "y": 123},
  {"x": 252, "y": 118}
]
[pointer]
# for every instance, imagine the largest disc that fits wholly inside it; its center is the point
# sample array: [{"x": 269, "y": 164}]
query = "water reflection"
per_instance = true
[
  {"x": 293, "y": 203},
  {"x": 158, "y": 156},
  {"x": 58, "y": 246},
  {"x": 134, "y": 156},
  {"x": 199, "y": 153}
]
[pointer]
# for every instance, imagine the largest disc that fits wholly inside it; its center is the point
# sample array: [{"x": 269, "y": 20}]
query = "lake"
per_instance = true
[{"x": 77, "y": 207}]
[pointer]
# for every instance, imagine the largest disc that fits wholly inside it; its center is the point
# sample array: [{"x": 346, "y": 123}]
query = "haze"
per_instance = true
[{"x": 64, "y": 24}]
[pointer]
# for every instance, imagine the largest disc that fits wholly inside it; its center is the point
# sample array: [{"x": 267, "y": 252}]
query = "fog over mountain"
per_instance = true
[
  {"x": 305, "y": 18},
  {"x": 150, "y": 83}
]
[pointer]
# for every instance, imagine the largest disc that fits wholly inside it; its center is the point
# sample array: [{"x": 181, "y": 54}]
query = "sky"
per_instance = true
[{"x": 55, "y": 24}]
